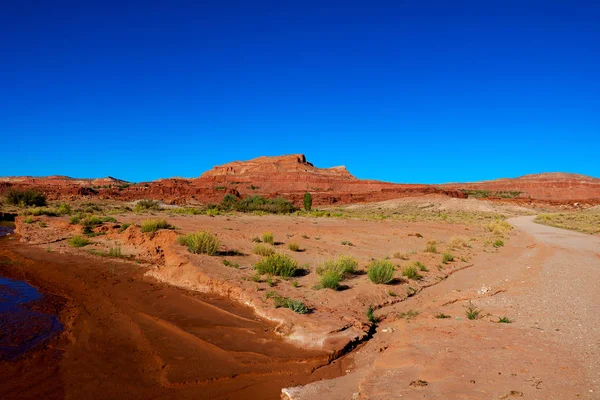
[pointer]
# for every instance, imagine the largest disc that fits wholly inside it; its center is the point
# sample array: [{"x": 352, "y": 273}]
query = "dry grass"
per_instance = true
[
  {"x": 499, "y": 227},
  {"x": 457, "y": 242},
  {"x": 587, "y": 221}
]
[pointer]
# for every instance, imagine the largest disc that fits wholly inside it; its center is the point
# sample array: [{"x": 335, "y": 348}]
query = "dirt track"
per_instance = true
[{"x": 545, "y": 281}]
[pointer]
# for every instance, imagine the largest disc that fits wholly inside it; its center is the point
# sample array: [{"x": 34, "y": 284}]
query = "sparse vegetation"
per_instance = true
[
  {"x": 115, "y": 252},
  {"x": 381, "y": 272},
  {"x": 347, "y": 243},
  {"x": 411, "y": 272},
  {"x": 295, "y": 305},
  {"x": 431, "y": 247},
  {"x": 202, "y": 242},
  {"x": 343, "y": 265},
  {"x": 472, "y": 312},
  {"x": 330, "y": 279},
  {"x": 307, "y": 201},
  {"x": 42, "y": 224},
  {"x": 586, "y": 221},
  {"x": 278, "y": 265},
  {"x": 25, "y": 198},
  {"x": 124, "y": 227},
  {"x": 499, "y": 227},
  {"x": 498, "y": 243},
  {"x": 257, "y": 203},
  {"x": 408, "y": 315},
  {"x": 228, "y": 263},
  {"x": 147, "y": 205},
  {"x": 457, "y": 242},
  {"x": 504, "y": 320},
  {"x": 447, "y": 257},
  {"x": 78, "y": 241},
  {"x": 442, "y": 316},
  {"x": 371, "y": 315},
  {"x": 152, "y": 225},
  {"x": 401, "y": 255},
  {"x": 294, "y": 247},
  {"x": 268, "y": 237},
  {"x": 28, "y": 220},
  {"x": 263, "y": 249}
]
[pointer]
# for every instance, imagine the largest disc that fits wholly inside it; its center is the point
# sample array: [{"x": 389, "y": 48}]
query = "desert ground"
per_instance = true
[{"x": 419, "y": 293}]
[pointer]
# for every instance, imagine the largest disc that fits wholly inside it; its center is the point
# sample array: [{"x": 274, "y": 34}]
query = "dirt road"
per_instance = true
[{"x": 545, "y": 281}]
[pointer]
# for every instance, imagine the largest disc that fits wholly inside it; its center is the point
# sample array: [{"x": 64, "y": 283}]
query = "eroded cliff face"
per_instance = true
[
  {"x": 287, "y": 176},
  {"x": 556, "y": 186}
]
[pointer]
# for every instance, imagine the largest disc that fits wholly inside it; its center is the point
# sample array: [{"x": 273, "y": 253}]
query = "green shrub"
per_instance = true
[
  {"x": 78, "y": 241},
  {"x": 263, "y": 249},
  {"x": 295, "y": 305},
  {"x": 25, "y": 198},
  {"x": 472, "y": 312},
  {"x": 447, "y": 257},
  {"x": 278, "y": 265},
  {"x": 442, "y": 316},
  {"x": 294, "y": 247},
  {"x": 152, "y": 225},
  {"x": 343, "y": 265},
  {"x": 257, "y": 203},
  {"x": 42, "y": 224},
  {"x": 505, "y": 320},
  {"x": 330, "y": 279},
  {"x": 74, "y": 220},
  {"x": 64, "y": 209},
  {"x": 307, "y": 201},
  {"x": 411, "y": 272},
  {"x": 380, "y": 272},
  {"x": 371, "y": 315},
  {"x": 144, "y": 205},
  {"x": 498, "y": 243},
  {"x": 92, "y": 220},
  {"x": 268, "y": 238},
  {"x": 28, "y": 220},
  {"x": 202, "y": 242},
  {"x": 421, "y": 266},
  {"x": 124, "y": 227}
]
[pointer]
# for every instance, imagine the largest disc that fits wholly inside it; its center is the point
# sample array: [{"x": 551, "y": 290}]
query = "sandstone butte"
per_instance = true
[{"x": 290, "y": 176}]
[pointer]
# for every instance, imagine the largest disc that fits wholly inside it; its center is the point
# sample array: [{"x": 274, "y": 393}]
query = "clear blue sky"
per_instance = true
[{"x": 402, "y": 91}]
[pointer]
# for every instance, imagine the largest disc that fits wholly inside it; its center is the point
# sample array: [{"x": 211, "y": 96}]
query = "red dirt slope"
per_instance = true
[{"x": 560, "y": 187}]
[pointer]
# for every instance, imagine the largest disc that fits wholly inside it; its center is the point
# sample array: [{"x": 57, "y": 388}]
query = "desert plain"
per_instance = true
[{"x": 230, "y": 286}]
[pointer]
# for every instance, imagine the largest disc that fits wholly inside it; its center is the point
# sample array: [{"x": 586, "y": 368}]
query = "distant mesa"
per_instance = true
[{"x": 289, "y": 164}]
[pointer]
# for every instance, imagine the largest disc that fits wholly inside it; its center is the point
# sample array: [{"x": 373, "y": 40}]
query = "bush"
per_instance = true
[
  {"x": 124, "y": 227},
  {"x": 74, "y": 220},
  {"x": 498, "y": 243},
  {"x": 499, "y": 227},
  {"x": 258, "y": 203},
  {"x": 278, "y": 265},
  {"x": 447, "y": 257},
  {"x": 401, "y": 255},
  {"x": 294, "y": 247},
  {"x": 263, "y": 249},
  {"x": 25, "y": 198},
  {"x": 431, "y": 247},
  {"x": 307, "y": 201},
  {"x": 28, "y": 220},
  {"x": 152, "y": 225},
  {"x": 115, "y": 252},
  {"x": 420, "y": 265},
  {"x": 78, "y": 241},
  {"x": 411, "y": 272},
  {"x": 330, "y": 279},
  {"x": 144, "y": 205},
  {"x": 381, "y": 272},
  {"x": 268, "y": 238},
  {"x": 457, "y": 242},
  {"x": 64, "y": 209},
  {"x": 202, "y": 242},
  {"x": 343, "y": 265}
]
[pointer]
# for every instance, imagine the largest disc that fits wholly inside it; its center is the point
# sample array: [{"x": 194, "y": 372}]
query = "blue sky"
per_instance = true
[{"x": 402, "y": 91}]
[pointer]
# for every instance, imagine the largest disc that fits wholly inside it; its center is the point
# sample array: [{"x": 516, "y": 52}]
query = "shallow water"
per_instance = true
[{"x": 23, "y": 323}]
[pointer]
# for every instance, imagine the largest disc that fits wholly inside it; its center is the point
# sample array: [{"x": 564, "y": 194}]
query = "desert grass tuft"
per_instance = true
[
  {"x": 152, "y": 225},
  {"x": 381, "y": 272},
  {"x": 411, "y": 272},
  {"x": 263, "y": 249},
  {"x": 202, "y": 242},
  {"x": 431, "y": 247},
  {"x": 78, "y": 241},
  {"x": 268, "y": 237},
  {"x": 278, "y": 265}
]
